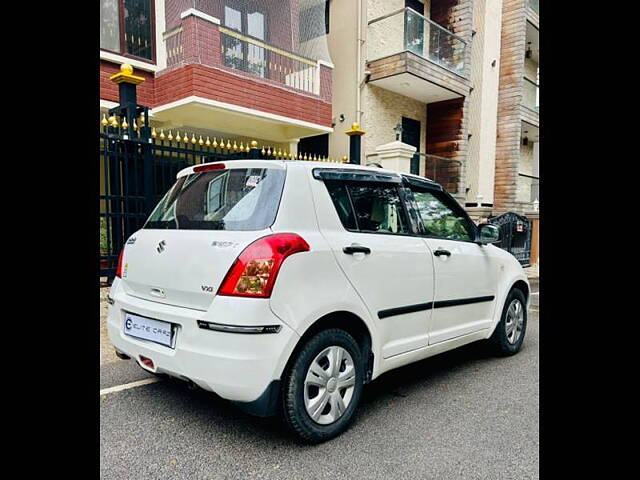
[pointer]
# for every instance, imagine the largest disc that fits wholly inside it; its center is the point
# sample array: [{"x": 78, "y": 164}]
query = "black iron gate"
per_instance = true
[{"x": 515, "y": 235}]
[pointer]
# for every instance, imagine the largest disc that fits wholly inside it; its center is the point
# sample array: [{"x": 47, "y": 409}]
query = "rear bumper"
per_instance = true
[{"x": 238, "y": 367}]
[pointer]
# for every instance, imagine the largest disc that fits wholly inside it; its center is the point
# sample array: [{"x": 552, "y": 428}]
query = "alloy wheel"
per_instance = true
[{"x": 514, "y": 323}]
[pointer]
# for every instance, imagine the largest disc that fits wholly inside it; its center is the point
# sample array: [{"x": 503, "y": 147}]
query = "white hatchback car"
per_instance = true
[{"x": 285, "y": 286}]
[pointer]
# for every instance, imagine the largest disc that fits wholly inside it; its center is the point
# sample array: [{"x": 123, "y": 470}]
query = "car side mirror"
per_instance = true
[{"x": 488, "y": 233}]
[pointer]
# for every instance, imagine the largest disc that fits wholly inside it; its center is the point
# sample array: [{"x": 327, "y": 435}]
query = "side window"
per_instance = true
[
  {"x": 369, "y": 207},
  {"x": 340, "y": 197},
  {"x": 216, "y": 193},
  {"x": 439, "y": 219}
]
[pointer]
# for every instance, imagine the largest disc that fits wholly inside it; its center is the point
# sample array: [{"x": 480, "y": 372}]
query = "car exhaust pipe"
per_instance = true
[{"x": 122, "y": 356}]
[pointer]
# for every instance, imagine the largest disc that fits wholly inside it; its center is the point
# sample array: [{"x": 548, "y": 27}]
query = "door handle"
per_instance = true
[
  {"x": 355, "y": 248},
  {"x": 440, "y": 251}
]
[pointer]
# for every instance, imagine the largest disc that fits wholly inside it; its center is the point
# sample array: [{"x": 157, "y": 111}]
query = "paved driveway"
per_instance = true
[{"x": 462, "y": 414}]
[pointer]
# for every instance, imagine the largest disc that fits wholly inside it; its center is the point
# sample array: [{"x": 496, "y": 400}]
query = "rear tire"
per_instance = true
[
  {"x": 323, "y": 386},
  {"x": 508, "y": 336}
]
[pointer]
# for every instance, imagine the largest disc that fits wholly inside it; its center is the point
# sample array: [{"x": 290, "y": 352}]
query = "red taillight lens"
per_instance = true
[
  {"x": 206, "y": 168},
  {"x": 119, "y": 268},
  {"x": 254, "y": 272}
]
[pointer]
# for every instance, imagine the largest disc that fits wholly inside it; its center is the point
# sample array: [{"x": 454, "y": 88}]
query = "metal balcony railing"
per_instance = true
[
  {"x": 255, "y": 58},
  {"x": 407, "y": 30},
  {"x": 530, "y": 95},
  {"x": 260, "y": 59}
]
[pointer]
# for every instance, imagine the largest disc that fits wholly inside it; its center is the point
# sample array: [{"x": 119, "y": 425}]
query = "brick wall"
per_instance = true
[
  {"x": 509, "y": 99},
  {"x": 227, "y": 87}
]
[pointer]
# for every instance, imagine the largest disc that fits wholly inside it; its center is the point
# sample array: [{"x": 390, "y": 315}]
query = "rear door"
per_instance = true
[
  {"x": 196, "y": 232},
  {"x": 368, "y": 229},
  {"x": 466, "y": 274}
]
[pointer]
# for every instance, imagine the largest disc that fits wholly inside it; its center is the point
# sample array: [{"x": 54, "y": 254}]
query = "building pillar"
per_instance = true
[{"x": 396, "y": 156}]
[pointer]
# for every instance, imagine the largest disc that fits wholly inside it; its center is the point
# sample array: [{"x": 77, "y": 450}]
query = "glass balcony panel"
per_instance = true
[
  {"x": 407, "y": 30},
  {"x": 530, "y": 95}
]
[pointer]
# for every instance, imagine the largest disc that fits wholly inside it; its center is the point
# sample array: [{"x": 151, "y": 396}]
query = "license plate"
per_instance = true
[{"x": 155, "y": 331}]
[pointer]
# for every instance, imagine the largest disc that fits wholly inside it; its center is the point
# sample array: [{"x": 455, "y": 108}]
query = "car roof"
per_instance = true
[{"x": 305, "y": 164}]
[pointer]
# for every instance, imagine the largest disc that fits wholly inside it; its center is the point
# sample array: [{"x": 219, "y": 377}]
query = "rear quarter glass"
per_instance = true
[{"x": 236, "y": 199}]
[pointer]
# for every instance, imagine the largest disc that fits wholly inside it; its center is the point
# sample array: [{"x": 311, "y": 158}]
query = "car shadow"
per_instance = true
[
  {"x": 207, "y": 410},
  {"x": 400, "y": 382}
]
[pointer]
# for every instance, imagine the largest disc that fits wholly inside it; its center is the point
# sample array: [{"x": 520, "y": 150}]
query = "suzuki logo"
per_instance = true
[{"x": 161, "y": 246}]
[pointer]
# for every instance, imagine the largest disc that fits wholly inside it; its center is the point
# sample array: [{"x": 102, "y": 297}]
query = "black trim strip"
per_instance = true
[
  {"x": 390, "y": 312},
  {"x": 462, "y": 301}
]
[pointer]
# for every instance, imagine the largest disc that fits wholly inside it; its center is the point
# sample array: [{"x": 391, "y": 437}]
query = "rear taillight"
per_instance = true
[
  {"x": 119, "y": 268},
  {"x": 254, "y": 272}
]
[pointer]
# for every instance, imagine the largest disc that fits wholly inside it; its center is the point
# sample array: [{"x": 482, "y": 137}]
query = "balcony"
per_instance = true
[
  {"x": 229, "y": 79},
  {"x": 415, "y": 57},
  {"x": 257, "y": 60}
]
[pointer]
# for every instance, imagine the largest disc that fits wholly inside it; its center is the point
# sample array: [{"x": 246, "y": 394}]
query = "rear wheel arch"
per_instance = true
[{"x": 350, "y": 323}]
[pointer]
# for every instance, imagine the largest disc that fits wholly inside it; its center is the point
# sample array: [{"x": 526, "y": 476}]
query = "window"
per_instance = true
[
  {"x": 126, "y": 27},
  {"x": 311, "y": 21},
  {"x": 242, "y": 54},
  {"x": 369, "y": 207},
  {"x": 440, "y": 219},
  {"x": 233, "y": 199}
]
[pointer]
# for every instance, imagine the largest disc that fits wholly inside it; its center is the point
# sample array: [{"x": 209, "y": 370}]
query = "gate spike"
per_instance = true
[
  {"x": 279, "y": 152},
  {"x": 228, "y": 144},
  {"x": 268, "y": 151},
  {"x": 242, "y": 146},
  {"x": 153, "y": 132},
  {"x": 305, "y": 157},
  {"x": 162, "y": 134},
  {"x": 124, "y": 123},
  {"x": 214, "y": 144},
  {"x": 207, "y": 142},
  {"x": 247, "y": 148},
  {"x": 200, "y": 141},
  {"x": 104, "y": 121},
  {"x": 170, "y": 137},
  {"x": 235, "y": 147},
  {"x": 135, "y": 125},
  {"x": 299, "y": 156},
  {"x": 263, "y": 151},
  {"x": 193, "y": 138},
  {"x": 178, "y": 137}
]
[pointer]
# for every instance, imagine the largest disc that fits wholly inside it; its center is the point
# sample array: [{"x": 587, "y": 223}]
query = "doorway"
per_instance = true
[{"x": 411, "y": 136}]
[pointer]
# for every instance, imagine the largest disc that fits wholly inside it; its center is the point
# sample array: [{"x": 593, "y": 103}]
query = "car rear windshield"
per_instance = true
[{"x": 225, "y": 199}]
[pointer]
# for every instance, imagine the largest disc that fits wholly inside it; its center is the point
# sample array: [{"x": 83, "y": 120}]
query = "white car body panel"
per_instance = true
[{"x": 400, "y": 271}]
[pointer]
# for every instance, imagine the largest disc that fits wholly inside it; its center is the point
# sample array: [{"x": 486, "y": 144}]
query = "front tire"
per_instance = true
[
  {"x": 323, "y": 386},
  {"x": 508, "y": 336}
]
